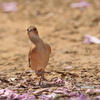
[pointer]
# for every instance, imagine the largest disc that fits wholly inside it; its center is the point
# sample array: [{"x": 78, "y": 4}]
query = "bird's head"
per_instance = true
[{"x": 33, "y": 34}]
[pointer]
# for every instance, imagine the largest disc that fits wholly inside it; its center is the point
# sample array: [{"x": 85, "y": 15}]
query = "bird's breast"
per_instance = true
[{"x": 39, "y": 59}]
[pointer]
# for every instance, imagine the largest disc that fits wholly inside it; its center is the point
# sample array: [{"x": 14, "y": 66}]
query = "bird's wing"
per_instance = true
[
  {"x": 29, "y": 59},
  {"x": 29, "y": 55}
]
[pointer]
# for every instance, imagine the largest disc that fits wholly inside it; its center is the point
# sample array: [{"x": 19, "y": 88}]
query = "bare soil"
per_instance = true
[{"x": 63, "y": 28}]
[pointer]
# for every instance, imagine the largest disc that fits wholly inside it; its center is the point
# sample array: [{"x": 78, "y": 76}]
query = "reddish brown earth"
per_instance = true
[{"x": 63, "y": 28}]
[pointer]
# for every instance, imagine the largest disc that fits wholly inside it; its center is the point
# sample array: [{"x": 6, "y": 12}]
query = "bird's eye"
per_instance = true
[
  {"x": 27, "y": 29},
  {"x": 34, "y": 29}
]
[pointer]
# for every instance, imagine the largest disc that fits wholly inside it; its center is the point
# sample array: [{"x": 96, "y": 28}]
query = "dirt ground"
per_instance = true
[{"x": 60, "y": 25}]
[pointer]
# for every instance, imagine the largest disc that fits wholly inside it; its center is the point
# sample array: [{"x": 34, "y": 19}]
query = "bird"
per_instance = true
[{"x": 38, "y": 57}]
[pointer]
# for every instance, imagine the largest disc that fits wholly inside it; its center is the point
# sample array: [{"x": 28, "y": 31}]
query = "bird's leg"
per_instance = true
[
  {"x": 42, "y": 78},
  {"x": 40, "y": 81}
]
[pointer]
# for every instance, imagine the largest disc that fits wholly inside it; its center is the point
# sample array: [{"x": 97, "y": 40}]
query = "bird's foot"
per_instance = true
[
  {"x": 46, "y": 84},
  {"x": 42, "y": 81}
]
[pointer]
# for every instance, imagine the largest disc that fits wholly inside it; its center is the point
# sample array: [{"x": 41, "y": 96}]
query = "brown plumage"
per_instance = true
[{"x": 38, "y": 56}]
